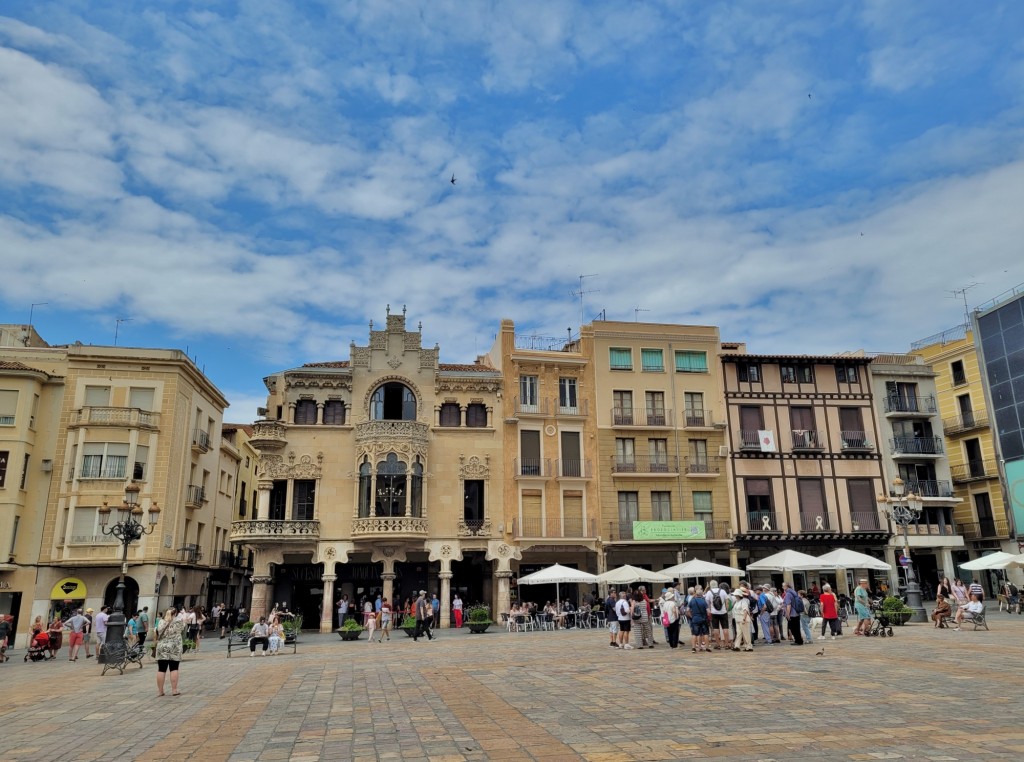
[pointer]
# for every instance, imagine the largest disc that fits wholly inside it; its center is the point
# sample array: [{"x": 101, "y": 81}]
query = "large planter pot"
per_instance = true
[
  {"x": 349, "y": 634},
  {"x": 410, "y": 631},
  {"x": 478, "y": 627}
]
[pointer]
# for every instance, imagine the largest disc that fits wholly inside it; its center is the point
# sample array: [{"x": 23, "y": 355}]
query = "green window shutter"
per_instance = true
[
  {"x": 702, "y": 502},
  {"x": 621, "y": 359},
  {"x": 691, "y": 362},
  {"x": 650, "y": 359}
]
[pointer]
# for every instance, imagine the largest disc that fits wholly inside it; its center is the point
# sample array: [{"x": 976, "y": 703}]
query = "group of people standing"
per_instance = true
[
  {"x": 85, "y": 629},
  {"x": 379, "y": 615}
]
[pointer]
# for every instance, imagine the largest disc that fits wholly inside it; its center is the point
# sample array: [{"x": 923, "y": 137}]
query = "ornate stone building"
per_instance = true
[{"x": 380, "y": 474}]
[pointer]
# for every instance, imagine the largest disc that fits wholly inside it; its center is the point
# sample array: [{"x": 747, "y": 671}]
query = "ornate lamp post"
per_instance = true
[
  {"x": 904, "y": 508},
  {"x": 127, "y": 529}
]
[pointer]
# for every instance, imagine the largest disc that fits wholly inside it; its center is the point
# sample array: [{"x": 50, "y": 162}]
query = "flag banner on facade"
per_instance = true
[{"x": 767, "y": 439}]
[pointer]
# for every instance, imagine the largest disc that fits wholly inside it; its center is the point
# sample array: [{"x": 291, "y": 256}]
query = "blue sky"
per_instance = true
[{"x": 256, "y": 180}]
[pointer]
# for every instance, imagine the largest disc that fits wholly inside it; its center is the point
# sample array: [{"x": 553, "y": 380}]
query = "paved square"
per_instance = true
[{"x": 923, "y": 694}]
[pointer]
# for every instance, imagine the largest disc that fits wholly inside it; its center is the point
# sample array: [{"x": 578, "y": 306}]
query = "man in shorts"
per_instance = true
[
  {"x": 611, "y": 617},
  {"x": 623, "y": 612},
  {"x": 718, "y": 602}
]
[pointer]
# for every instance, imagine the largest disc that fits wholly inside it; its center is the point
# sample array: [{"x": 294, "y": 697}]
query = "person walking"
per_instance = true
[
  {"x": 88, "y": 637},
  {"x": 699, "y": 621},
  {"x": 5, "y": 634},
  {"x": 862, "y": 605},
  {"x": 611, "y": 617},
  {"x": 78, "y": 625},
  {"x": 670, "y": 618},
  {"x": 385, "y": 622},
  {"x": 642, "y": 623},
  {"x": 793, "y": 607},
  {"x": 99, "y": 626},
  {"x": 56, "y": 634},
  {"x": 829, "y": 611},
  {"x": 624, "y": 616},
  {"x": 342, "y": 610},
  {"x": 435, "y": 608},
  {"x": 457, "y": 610},
  {"x": 143, "y": 625},
  {"x": 424, "y": 613},
  {"x": 168, "y": 650},
  {"x": 765, "y": 608}
]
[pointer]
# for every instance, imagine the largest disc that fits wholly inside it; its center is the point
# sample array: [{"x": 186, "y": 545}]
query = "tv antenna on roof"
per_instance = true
[
  {"x": 581, "y": 293},
  {"x": 636, "y": 313},
  {"x": 117, "y": 327},
  {"x": 962, "y": 294}
]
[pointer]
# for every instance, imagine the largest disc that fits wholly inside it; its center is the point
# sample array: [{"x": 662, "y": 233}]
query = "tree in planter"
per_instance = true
[
  {"x": 351, "y": 630},
  {"x": 408, "y": 625},
  {"x": 479, "y": 618},
  {"x": 896, "y": 611}
]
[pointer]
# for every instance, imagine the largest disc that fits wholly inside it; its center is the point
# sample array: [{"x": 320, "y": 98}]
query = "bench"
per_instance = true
[
  {"x": 980, "y": 621},
  {"x": 240, "y": 638}
]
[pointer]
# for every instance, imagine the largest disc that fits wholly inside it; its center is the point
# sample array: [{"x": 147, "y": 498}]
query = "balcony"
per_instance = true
[
  {"x": 567, "y": 468},
  {"x": 275, "y": 531},
  {"x": 920, "y": 530},
  {"x": 195, "y": 496},
  {"x": 229, "y": 560},
  {"x": 707, "y": 466},
  {"x": 814, "y": 522},
  {"x": 855, "y": 441},
  {"x": 390, "y": 527},
  {"x": 634, "y": 465},
  {"x": 125, "y": 417},
  {"x": 761, "y": 521},
  {"x": 981, "y": 530},
  {"x": 190, "y": 554},
  {"x": 974, "y": 470},
  {"x": 531, "y": 468},
  {"x": 929, "y": 487},
  {"x": 200, "y": 441},
  {"x": 581, "y": 408},
  {"x": 965, "y": 423},
  {"x": 700, "y": 419},
  {"x": 555, "y": 527},
  {"x": 806, "y": 440},
  {"x": 474, "y": 528},
  {"x": 910, "y": 406},
  {"x": 865, "y": 521},
  {"x": 269, "y": 435},
  {"x": 750, "y": 440},
  {"x": 904, "y": 447},
  {"x": 412, "y": 434},
  {"x": 530, "y": 407},
  {"x": 642, "y": 417}
]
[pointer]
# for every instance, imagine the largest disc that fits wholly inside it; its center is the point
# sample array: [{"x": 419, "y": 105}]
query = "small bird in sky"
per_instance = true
[
  {"x": 453, "y": 179},
  {"x": 808, "y": 95},
  {"x": 821, "y": 652}
]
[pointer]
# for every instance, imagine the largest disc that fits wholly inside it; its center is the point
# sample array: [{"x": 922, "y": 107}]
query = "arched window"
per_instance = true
[
  {"x": 365, "y": 489},
  {"x": 305, "y": 412},
  {"x": 417, "y": 489},
  {"x": 476, "y": 415},
  {"x": 451, "y": 414},
  {"x": 391, "y": 487},
  {"x": 334, "y": 413},
  {"x": 393, "y": 402}
]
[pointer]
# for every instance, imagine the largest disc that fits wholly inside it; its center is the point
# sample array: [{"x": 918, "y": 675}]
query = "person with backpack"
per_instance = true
[
  {"x": 670, "y": 618},
  {"x": 792, "y": 607},
  {"x": 624, "y": 616},
  {"x": 716, "y": 598},
  {"x": 698, "y": 614},
  {"x": 765, "y": 610}
]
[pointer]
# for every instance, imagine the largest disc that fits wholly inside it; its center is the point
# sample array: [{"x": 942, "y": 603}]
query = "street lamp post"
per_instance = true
[
  {"x": 903, "y": 509},
  {"x": 127, "y": 529}
]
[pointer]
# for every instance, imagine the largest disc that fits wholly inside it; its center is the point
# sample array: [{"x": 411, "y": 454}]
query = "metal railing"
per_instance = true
[
  {"x": 959, "y": 378},
  {"x": 750, "y": 439},
  {"x": 190, "y": 553},
  {"x": 915, "y": 446},
  {"x": 974, "y": 469},
  {"x": 855, "y": 440},
  {"x": 536, "y": 407},
  {"x": 6, "y": 420},
  {"x": 572, "y": 468},
  {"x": 965, "y": 422},
  {"x": 644, "y": 464},
  {"x": 231, "y": 560},
  {"x": 201, "y": 439},
  {"x": 814, "y": 522},
  {"x": 698, "y": 419},
  {"x": 910, "y": 404},
  {"x": 930, "y": 487},
  {"x": 761, "y": 521},
  {"x": 276, "y": 529},
  {"x": 195, "y": 495},
  {"x": 864, "y": 521},
  {"x": 582, "y": 407},
  {"x": 554, "y": 526},
  {"x": 977, "y": 530},
  {"x": 806, "y": 439},
  {"x": 539, "y": 467},
  {"x": 711, "y": 465},
  {"x": 640, "y": 416}
]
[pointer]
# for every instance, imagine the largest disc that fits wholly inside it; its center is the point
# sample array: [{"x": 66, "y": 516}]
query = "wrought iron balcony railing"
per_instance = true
[
  {"x": 710, "y": 465},
  {"x": 761, "y": 521},
  {"x": 531, "y": 467},
  {"x": 910, "y": 405},
  {"x": 644, "y": 464},
  {"x": 855, "y": 440},
  {"x": 572, "y": 468},
  {"x": 554, "y": 526},
  {"x": 625, "y": 416},
  {"x": 930, "y": 487},
  {"x": 973, "y": 470},
  {"x": 806, "y": 439},
  {"x": 915, "y": 446},
  {"x": 962, "y": 423}
]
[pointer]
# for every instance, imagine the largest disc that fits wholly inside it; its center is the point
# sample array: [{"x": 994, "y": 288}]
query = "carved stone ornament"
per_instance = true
[
  {"x": 274, "y": 467},
  {"x": 261, "y": 580},
  {"x": 474, "y": 468},
  {"x": 330, "y": 553},
  {"x": 407, "y": 439},
  {"x": 491, "y": 385},
  {"x": 446, "y": 551},
  {"x": 395, "y": 362},
  {"x": 389, "y": 525}
]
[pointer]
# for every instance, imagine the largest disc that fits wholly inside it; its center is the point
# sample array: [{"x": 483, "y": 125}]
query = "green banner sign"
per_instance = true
[{"x": 669, "y": 530}]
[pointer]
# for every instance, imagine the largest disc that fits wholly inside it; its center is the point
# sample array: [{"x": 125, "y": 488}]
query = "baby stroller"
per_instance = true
[{"x": 38, "y": 647}]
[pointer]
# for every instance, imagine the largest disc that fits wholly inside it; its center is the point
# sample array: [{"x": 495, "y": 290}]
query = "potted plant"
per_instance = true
[
  {"x": 292, "y": 627},
  {"x": 479, "y": 619},
  {"x": 896, "y": 611},
  {"x": 408, "y": 625},
  {"x": 351, "y": 630}
]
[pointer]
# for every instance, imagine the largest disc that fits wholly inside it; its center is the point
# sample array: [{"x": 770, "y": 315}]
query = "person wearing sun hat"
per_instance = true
[
  {"x": 670, "y": 618},
  {"x": 741, "y": 616}
]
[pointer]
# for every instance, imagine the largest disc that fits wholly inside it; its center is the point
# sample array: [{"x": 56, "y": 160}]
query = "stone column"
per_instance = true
[
  {"x": 291, "y": 412},
  {"x": 389, "y": 583},
  {"x": 947, "y": 564},
  {"x": 446, "y": 592},
  {"x": 260, "y": 594},
  {"x": 734, "y": 562},
  {"x": 504, "y": 600},
  {"x": 327, "y": 614},
  {"x": 319, "y": 413},
  {"x": 263, "y": 488}
]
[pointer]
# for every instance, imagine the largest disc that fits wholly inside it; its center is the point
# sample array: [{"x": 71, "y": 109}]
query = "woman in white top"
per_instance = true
[{"x": 276, "y": 637}]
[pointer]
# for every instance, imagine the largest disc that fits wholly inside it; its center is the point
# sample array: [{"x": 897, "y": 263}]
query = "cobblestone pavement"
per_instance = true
[{"x": 923, "y": 694}]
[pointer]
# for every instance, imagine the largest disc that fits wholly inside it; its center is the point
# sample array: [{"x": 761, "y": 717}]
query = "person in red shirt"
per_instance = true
[{"x": 829, "y": 612}]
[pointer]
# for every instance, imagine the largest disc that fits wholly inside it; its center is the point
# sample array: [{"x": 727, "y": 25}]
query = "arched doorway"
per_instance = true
[{"x": 131, "y": 595}]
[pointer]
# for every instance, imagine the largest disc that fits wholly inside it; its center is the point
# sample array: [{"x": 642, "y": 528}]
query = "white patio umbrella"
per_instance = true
[
  {"x": 627, "y": 575},
  {"x": 999, "y": 560},
  {"x": 844, "y": 558},
  {"x": 787, "y": 560},
  {"x": 698, "y": 568},
  {"x": 559, "y": 575}
]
